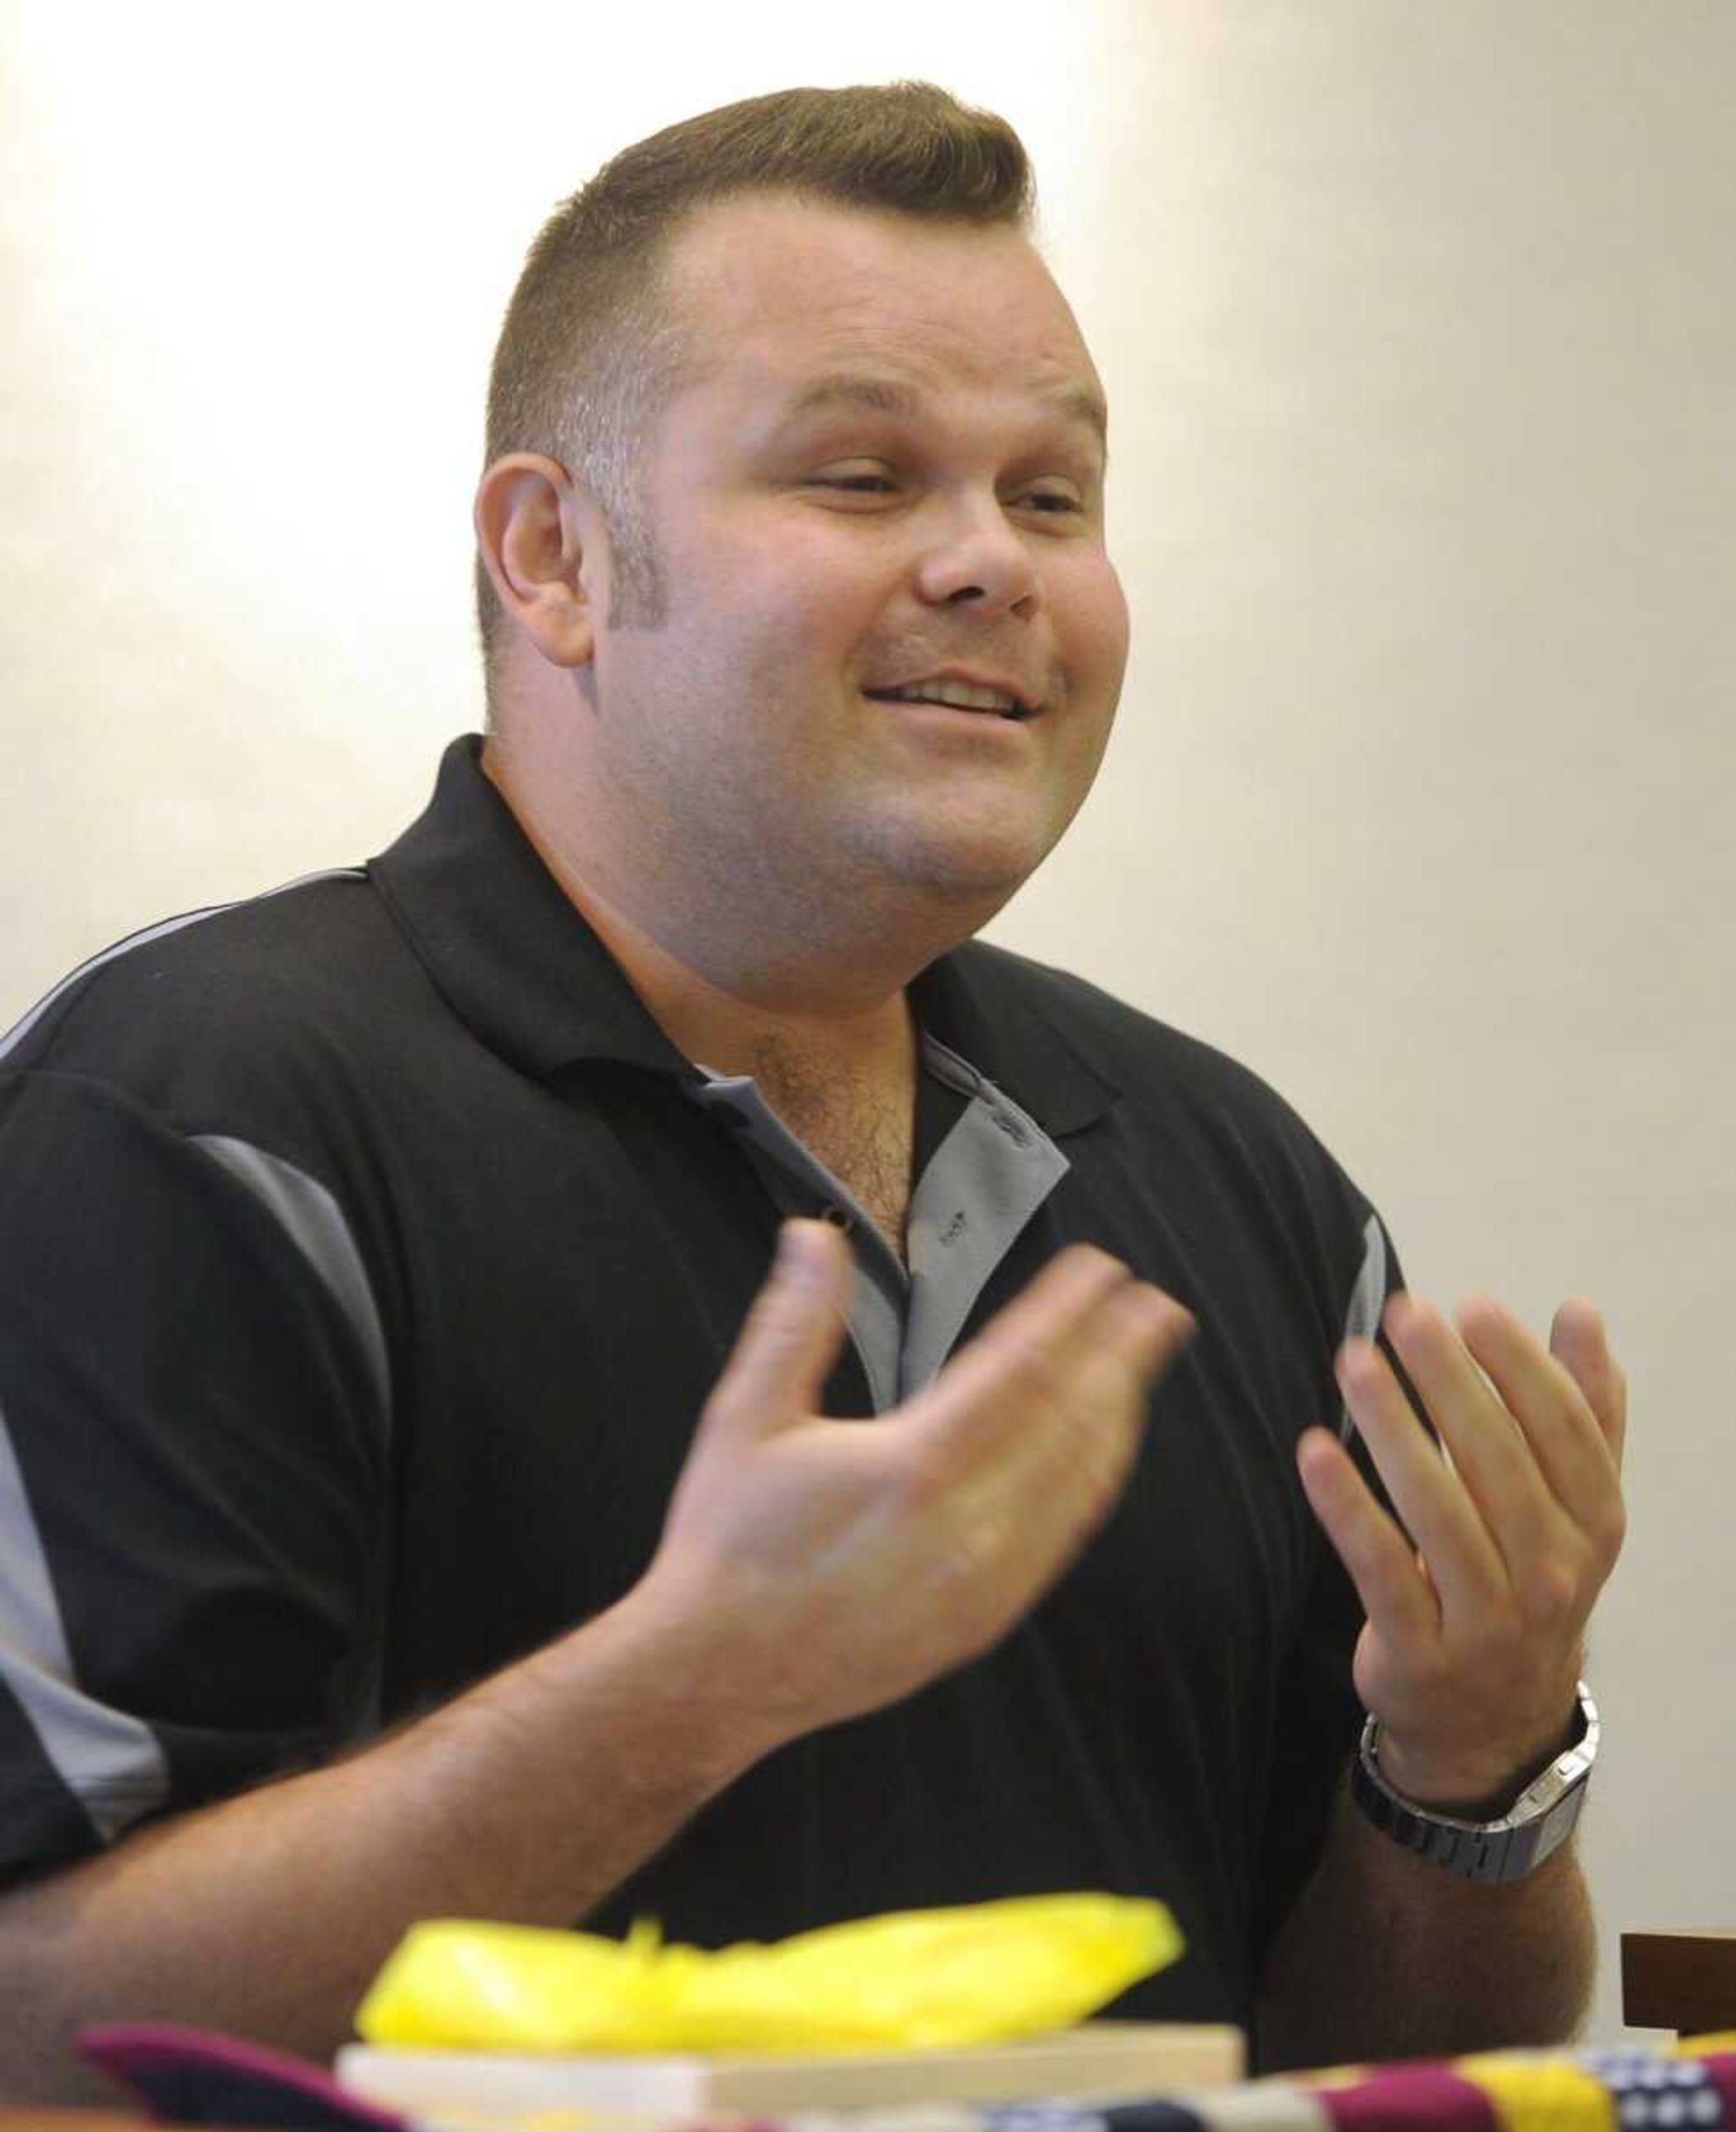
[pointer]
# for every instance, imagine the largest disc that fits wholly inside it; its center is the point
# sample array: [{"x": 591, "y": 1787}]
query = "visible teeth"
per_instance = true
[{"x": 960, "y": 693}]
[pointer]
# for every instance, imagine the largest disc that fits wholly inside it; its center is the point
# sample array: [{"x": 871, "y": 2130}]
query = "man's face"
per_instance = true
[{"x": 887, "y": 471}]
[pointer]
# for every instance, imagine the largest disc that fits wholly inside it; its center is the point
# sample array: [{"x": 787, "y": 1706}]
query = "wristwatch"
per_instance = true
[{"x": 1539, "y": 1820}]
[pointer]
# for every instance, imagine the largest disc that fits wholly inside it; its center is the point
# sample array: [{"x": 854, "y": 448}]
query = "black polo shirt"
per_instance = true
[{"x": 366, "y": 1254}]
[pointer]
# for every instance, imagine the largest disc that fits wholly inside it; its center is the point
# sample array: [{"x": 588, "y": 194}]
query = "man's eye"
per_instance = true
[{"x": 1048, "y": 503}]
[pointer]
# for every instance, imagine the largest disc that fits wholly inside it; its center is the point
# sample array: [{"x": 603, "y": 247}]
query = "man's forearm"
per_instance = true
[
  {"x": 1387, "y": 1956},
  {"x": 529, "y": 1799}
]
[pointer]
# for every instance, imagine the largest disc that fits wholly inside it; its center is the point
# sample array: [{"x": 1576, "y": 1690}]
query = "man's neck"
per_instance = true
[
  {"x": 871, "y": 1046},
  {"x": 844, "y": 1083},
  {"x": 841, "y": 1019},
  {"x": 832, "y": 1049}
]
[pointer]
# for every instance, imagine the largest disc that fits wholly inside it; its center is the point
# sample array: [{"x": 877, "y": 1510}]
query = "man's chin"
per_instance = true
[{"x": 967, "y": 876}]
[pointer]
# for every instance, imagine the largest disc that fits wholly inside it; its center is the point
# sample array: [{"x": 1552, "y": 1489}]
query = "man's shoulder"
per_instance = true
[
  {"x": 1140, "y": 1056},
  {"x": 1197, "y": 1140},
  {"x": 215, "y": 1006},
  {"x": 1178, "y": 1097}
]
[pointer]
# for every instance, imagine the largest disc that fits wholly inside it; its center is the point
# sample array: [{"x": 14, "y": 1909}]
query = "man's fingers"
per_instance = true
[
  {"x": 1031, "y": 1431},
  {"x": 1087, "y": 1444},
  {"x": 887, "y": 1555},
  {"x": 1132, "y": 1339},
  {"x": 1546, "y": 1396},
  {"x": 790, "y": 1339},
  {"x": 1083, "y": 1314},
  {"x": 1475, "y": 1393},
  {"x": 1028, "y": 1447},
  {"x": 1396, "y": 1593},
  {"x": 1580, "y": 1345},
  {"x": 1023, "y": 1354},
  {"x": 1133, "y": 1336},
  {"x": 1050, "y": 1308},
  {"x": 1442, "y": 1519}
]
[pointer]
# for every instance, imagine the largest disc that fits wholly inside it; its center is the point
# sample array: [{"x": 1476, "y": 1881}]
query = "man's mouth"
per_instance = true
[{"x": 957, "y": 695}]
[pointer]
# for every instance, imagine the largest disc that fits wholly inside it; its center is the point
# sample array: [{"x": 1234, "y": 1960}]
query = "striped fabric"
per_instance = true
[
  {"x": 1499, "y": 2091},
  {"x": 1536, "y": 2091},
  {"x": 189, "y": 2076},
  {"x": 1429, "y": 2098}
]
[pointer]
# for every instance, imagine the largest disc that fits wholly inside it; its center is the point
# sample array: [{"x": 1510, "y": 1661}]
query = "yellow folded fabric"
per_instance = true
[
  {"x": 912, "y": 1979},
  {"x": 1541, "y": 2093}
]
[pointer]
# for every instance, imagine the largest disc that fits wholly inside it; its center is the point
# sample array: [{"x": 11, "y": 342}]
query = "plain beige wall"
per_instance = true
[{"x": 1420, "y": 327}]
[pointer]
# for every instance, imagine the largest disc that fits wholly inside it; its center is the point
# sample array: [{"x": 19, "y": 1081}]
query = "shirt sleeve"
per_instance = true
[{"x": 192, "y": 1407}]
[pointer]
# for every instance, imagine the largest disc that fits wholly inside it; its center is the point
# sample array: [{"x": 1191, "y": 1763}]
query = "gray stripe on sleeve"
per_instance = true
[
  {"x": 111, "y": 1762},
  {"x": 1362, "y": 1316},
  {"x": 311, "y": 1217}
]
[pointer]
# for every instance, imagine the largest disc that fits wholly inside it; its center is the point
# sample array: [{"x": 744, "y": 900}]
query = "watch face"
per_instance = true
[{"x": 1556, "y": 1826}]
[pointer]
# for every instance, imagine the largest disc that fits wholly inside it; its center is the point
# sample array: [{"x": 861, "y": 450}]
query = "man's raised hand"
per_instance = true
[
  {"x": 1476, "y": 1622},
  {"x": 842, "y": 1565}
]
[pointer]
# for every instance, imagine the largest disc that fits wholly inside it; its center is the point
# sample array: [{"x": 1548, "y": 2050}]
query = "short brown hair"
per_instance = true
[{"x": 589, "y": 352}]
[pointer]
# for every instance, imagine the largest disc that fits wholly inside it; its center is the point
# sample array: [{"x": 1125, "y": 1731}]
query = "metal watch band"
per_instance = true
[{"x": 1538, "y": 1822}]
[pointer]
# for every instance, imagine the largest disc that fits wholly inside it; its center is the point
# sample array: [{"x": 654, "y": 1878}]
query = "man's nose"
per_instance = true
[{"x": 974, "y": 555}]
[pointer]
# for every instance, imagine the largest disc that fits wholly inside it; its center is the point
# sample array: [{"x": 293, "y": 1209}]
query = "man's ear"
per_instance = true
[{"x": 542, "y": 541}]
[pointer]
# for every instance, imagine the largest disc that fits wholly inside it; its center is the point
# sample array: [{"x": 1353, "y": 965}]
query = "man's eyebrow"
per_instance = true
[{"x": 880, "y": 395}]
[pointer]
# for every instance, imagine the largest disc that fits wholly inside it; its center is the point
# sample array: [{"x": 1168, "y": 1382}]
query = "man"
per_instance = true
[{"x": 404, "y": 1520}]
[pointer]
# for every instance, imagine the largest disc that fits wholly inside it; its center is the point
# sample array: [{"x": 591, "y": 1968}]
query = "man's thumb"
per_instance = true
[{"x": 791, "y": 1337}]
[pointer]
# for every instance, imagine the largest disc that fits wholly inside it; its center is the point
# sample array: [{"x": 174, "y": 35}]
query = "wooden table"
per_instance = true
[{"x": 1682, "y": 1980}]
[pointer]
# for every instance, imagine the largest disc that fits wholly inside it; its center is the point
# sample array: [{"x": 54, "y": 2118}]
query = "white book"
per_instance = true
[{"x": 1098, "y": 2062}]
